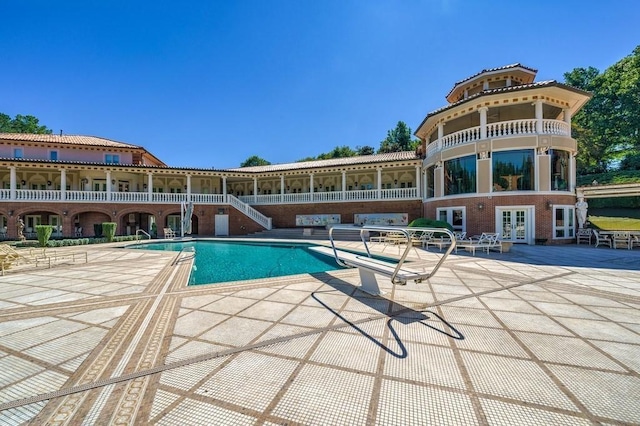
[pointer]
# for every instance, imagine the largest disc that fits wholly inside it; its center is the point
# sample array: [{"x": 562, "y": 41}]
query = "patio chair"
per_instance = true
[
  {"x": 601, "y": 239},
  {"x": 78, "y": 231},
  {"x": 635, "y": 240},
  {"x": 583, "y": 235},
  {"x": 621, "y": 239},
  {"x": 169, "y": 233}
]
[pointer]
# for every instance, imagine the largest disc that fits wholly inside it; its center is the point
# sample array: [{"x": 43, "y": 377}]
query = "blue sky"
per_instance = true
[{"x": 208, "y": 84}]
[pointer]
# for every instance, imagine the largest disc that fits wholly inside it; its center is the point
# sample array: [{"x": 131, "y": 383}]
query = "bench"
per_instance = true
[{"x": 369, "y": 266}]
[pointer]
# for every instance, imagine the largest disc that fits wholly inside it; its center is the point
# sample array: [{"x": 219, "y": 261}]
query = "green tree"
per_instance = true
[
  {"x": 254, "y": 160},
  {"x": 398, "y": 139},
  {"x": 608, "y": 127},
  {"x": 22, "y": 124},
  {"x": 365, "y": 150}
]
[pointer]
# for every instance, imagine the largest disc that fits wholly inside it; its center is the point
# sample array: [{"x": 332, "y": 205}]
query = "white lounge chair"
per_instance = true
[{"x": 487, "y": 241}]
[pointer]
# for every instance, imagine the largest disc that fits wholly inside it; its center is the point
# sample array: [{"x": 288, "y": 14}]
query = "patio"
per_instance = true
[{"x": 539, "y": 335}]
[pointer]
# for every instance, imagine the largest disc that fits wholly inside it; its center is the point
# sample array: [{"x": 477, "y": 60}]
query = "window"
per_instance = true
[
  {"x": 455, "y": 216},
  {"x": 53, "y": 155},
  {"x": 563, "y": 221},
  {"x": 460, "y": 175},
  {"x": 430, "y": 182},
  {"x": 513, "y": 170},
  {"x": 17, "y": 153},
  {"x": 559, "y": 170},
  {"x": 112, "y": 158}
]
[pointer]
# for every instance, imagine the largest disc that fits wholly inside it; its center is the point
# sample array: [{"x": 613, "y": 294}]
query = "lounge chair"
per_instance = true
[
  {"x": 487, "y": 241},
  {"x": 601, "y": 239},
  {"x": 169, "y": 233}
]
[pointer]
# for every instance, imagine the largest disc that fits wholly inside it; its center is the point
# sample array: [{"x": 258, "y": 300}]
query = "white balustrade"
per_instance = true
[
  {"x": 38, "y": 195},
  {"x": 498, "y": 130},
  {"x": 86, "y": 196},
  {"x": 5, "y": 194},
  {"x": 207, "y": 198}
]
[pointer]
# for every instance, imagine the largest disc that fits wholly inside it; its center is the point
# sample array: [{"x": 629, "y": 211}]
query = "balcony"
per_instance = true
[
  {"x": 33, "y": 195},
  {"x": 499, "y": 130}
]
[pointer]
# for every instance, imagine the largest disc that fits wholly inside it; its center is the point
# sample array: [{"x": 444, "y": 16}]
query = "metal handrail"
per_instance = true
[
  {"x": 142, "y": 231},
  {"x": 406, "y": 232}
]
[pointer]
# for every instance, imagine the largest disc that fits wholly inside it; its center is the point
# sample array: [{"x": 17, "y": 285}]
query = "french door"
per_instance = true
[{"x": 515, "y": 224}]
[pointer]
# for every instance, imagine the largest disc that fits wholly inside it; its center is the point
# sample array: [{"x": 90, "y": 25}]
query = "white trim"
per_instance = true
[{"x": 530, "y": 222}]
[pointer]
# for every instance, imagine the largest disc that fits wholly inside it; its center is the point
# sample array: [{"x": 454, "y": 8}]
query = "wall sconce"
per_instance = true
[
  {"x": 113, "y": 181},
  {"x": 23, "y": 182},
  {"x": 355, "y": 184},
  {"x": 144, "y": 186},
  {"x": 64, "y": 213},
  {"x": 185, "y": 187},
  {"x": 549, "y": 205},
  {"x": 288, "y": 188},
  {"x": 480, "y": 206},
  {"x": 10, "y": 213},
  {"x": 395, "y": 182},
  {"x": 320, "y": 186},
  {"x": 115, "y": 212},
  {"x": 159, "y": 212},
  {"x": 48, "y": 183}
]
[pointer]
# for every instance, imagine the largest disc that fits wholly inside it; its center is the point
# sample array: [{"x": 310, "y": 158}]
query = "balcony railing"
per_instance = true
[
  {"x": 177, "y": 198},
  {"x": 498, "y": 130}
]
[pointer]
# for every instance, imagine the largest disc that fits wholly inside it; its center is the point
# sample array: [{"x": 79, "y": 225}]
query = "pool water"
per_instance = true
[{"x": 221, "y": 261}]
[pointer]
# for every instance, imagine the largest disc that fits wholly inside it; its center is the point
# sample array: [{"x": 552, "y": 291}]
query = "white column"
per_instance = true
[
  {"x": 224, "y": 189},
  {"x": 255, "y": 190},
  {"x": 485, "y": 85},
  {"x": 572, "y": 172},
  {"x": 281, "y": 188},
  {"x": 109, "y": 186},
  {"x": 63, "y": 184},
  {"x": 440, "y": 130},
  {"x": 567, "y": 117},
  {"x": 483, "y": 122},
  {"x": 188, "y": 187},
  {"x": 344, "y": 185},
  {"x": 311, "y": 185},
  {"x": 509, "y": 82},
  {"x": 12, "y": 182},
  {"x": 149, "y": 187},
  {"x": 418, "y": 169},
  {"x": 424, "y": 183},
  {"x": 538, "y": 105},
  {"x": 379, "y": 196}
]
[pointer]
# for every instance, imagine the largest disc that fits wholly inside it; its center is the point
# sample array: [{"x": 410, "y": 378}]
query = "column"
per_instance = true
[
  {"x": 188, "y": 188},
  {"x": 311, "y": 185},
  {"x": 567, "y": 118},
  {"x": 63, "y": 184},
  {"x": 440, "y": 131},
  {"x": 12, "y": 182},
  {"x": 379, "y": 196},
  {"x": 483, "y": 122},
  {"x": 109, "y": 186},
  {"x": 149, "y": 187},
  {"x": 418, "y": 169},
  {"x": 255, "y": 190},
  {"x": 282, "y": 188},
  {"x": 344, "y": 185},
  {"x": 224, "y": 189},
  {"x": 424, "y": 183},
  {"x": 538, "y": 105}
]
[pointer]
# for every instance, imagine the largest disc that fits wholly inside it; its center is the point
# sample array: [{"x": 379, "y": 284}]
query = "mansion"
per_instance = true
[{"x": 498, "y": 157}]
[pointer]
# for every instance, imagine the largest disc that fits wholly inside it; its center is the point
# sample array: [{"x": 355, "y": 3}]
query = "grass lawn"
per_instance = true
[{"x": 615, "y": 223}]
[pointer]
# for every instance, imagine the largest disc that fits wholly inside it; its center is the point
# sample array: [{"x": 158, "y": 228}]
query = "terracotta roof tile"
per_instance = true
[
  {"x": 334, "y": 162},
  {"x": 505, "y": 67},
  {"x": 65, "y": 139}
]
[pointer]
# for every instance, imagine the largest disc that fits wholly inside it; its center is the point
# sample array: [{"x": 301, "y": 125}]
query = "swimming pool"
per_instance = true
[{"x": 224, "y": 261}]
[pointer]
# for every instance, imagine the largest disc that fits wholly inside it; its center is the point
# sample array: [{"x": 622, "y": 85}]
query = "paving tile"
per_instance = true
[{"x": 505, "y": 414}]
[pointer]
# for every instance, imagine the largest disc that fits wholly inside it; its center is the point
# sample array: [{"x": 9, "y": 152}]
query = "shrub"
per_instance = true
[
  {"x": 97, "y": 230},
  {"x": 109, "y": 230},
  {"x": 44, "y": 233},
  {"x": 424, "y": 222}
]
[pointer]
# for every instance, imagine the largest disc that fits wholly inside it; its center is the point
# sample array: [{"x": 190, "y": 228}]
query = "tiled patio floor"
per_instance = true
[{"x": 538, "y": 336}]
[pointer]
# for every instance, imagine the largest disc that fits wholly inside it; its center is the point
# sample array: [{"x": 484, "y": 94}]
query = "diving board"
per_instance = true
[{"x": 399, "y": 271}]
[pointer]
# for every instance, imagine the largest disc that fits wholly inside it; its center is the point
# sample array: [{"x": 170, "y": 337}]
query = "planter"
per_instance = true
[{"x": 506, "y": 246}]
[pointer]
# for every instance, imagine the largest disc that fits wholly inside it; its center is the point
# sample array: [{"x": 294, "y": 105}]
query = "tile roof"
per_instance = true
[
  {"x": 334, "y": 162},
  {"x": 66, "y": 139},
  {"x": 505, "y": 67}
]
